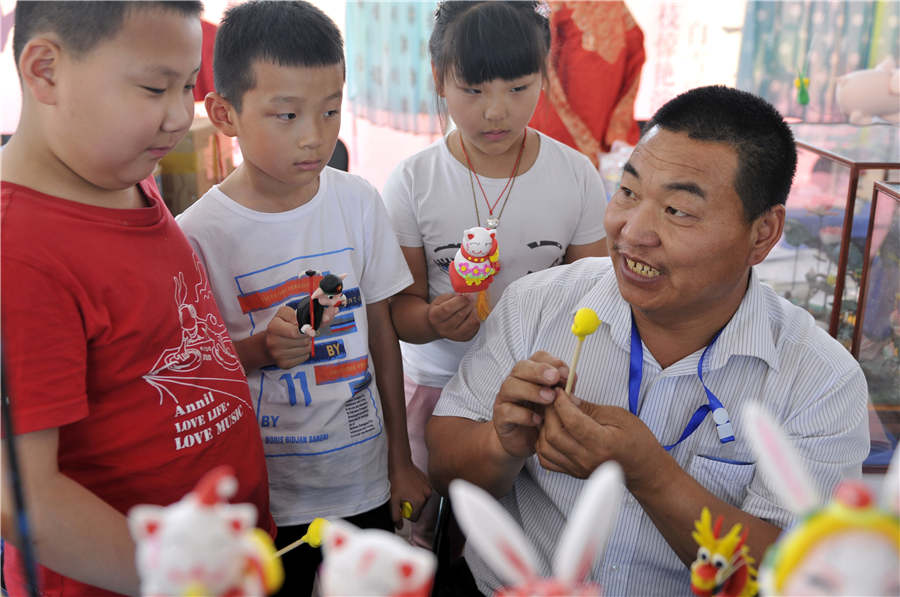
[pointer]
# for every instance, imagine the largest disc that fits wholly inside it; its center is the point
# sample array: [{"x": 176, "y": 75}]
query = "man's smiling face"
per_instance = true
[{"x": 678, "y": 237}]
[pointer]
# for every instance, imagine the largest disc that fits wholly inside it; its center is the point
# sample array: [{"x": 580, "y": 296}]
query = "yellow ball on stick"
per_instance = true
[{"x": 584, "y": 324}]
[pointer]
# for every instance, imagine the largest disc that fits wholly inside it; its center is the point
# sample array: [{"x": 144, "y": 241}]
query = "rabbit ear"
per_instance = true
[
  {"x": 890, "y": 489},
  {"x": 779, "y": 462},
  {"x": 493, "y": 533},
  {"x": 590, "y": 523}
]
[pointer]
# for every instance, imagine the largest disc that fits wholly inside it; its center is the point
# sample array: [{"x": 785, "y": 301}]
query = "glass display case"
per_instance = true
[
  {"x": 876, "y": 337},
  {"x": 818, "y": 262}
]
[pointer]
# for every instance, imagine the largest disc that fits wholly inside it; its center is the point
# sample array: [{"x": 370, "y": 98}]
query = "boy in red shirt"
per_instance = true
[{"x": 125, "y": 387}]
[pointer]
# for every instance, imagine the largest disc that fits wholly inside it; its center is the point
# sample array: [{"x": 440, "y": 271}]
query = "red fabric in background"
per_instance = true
[
  {"x": 205, "y": 82},
  {"x": 596, "y": 56}
]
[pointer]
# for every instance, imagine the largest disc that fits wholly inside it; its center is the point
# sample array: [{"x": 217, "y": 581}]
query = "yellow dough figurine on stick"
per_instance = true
[
  {"x": 313, "y": 536},
  {"x": 584, "y": 324}
]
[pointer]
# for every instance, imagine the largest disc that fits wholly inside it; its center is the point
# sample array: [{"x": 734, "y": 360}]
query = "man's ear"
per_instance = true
[
  {"x": 765, "y": 233},
  {"x": 38, "y": 66},
  {"x": 221, "y": 113}
]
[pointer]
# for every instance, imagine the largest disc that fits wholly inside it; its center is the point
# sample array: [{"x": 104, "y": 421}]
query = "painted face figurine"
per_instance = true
[
  {"x": 850, "y": 546},
  {"x": 723, "y": 567},
  {"x": 502, "y": 545},
  {"x": 322, "y": 305},
  {"x": 372, "y": 562},
  {"x": 202, "y": 545},
  {"x": 476, "y": 261}
]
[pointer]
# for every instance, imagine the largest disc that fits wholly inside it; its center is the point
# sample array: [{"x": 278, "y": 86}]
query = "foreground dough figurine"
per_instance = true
[
  {"x": 501, "y": 543},
  {"x": 204, "y": 546},
  {"x": 849, "y": 546},
  {"x": 372, "y": 562},
  {"x": 723, "y": 567}
]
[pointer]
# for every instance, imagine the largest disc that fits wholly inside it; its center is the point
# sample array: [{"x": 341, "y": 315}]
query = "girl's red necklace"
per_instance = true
[{"x": 492, "y": 222}]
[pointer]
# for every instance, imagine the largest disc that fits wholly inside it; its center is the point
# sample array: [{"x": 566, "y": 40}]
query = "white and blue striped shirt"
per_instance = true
[{"x": 770, "y": 351}]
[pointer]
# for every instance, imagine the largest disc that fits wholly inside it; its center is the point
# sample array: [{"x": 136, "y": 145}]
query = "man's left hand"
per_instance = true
[{"x": 578, "y": 436}]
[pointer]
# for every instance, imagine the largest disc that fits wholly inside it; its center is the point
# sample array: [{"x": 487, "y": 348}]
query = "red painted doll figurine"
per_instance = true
[
  {"x": 476, "y": 261},
  {"x": 326, "y": 300},
  {"x": 474, "y": 266}
]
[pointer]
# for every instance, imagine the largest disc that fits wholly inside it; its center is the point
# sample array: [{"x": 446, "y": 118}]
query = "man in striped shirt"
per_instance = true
[{"x": 689, "y": 335}]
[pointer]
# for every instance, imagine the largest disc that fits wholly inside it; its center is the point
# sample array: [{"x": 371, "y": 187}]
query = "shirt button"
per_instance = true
[{"x": 614, "y": 567}]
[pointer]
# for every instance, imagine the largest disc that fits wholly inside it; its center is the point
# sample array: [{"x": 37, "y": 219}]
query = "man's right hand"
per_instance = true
[
  {"x": 453, "y": 317},
  {"x": 284, "y": 342},
  {"x": 519, "y": 406}
]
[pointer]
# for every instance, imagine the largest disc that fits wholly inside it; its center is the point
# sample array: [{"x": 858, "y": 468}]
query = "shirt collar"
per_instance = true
[
  {"x": 747, "y": 333},
  {"x": 604, "y": 298}
]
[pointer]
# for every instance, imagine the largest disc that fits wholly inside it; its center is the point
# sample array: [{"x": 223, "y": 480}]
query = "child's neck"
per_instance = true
[
  {"x": 257, "y": 191},
  {"x": 34, "y": 165},
  {"x": 495, "y": 166}
]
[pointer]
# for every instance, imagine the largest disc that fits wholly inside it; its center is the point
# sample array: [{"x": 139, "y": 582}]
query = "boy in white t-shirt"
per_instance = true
[{"x": 268, "y": 235}]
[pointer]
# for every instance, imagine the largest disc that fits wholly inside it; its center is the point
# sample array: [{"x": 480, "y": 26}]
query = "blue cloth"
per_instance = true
[{"x": 388, "y": 66}]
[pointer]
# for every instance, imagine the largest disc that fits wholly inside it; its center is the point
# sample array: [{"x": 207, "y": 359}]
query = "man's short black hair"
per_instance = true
[
  {"x": 767, "y": 156},
  {"x": 292, "y": 33},
  {"x": 82, "y": 25}
]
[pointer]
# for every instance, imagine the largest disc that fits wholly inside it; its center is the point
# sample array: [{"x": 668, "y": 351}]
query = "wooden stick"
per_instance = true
[
  {"x": 575, "y": 357},
  {"x": 288, "y": 548}
]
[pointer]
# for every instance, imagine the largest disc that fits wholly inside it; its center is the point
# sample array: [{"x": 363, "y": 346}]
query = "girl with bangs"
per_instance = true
[{"x": 543, "y": 200}]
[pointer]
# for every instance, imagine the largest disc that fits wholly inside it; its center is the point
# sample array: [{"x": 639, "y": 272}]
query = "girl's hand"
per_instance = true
[
  {"x": 285, "y": 344},
  {"x": 453, "y": 317}
]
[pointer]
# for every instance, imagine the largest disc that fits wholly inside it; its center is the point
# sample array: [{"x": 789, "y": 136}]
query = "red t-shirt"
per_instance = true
[{"x": 111, "y": 334}]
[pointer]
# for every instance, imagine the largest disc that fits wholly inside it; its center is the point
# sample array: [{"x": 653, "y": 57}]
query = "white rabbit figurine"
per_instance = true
[
  {"x": 501, "y": 543},
  {"x": 849, "y": 546},
  {"x": 372, "y": 562}
]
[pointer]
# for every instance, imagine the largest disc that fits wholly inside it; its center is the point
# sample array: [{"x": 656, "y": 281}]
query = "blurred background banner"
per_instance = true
[
  {"x": 821, "y": 39},
  {"x": 388, "y": 67}
]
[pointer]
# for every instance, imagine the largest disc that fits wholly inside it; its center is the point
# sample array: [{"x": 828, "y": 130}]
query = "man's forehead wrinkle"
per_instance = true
[{"x": 655, "y": 156}]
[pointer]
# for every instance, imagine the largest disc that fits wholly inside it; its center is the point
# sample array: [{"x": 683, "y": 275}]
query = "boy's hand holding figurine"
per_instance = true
[{"x": 284, "y": 341}]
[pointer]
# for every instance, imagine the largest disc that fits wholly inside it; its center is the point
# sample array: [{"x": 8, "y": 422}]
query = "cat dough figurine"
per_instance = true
[{"x": 476, "y": 261}]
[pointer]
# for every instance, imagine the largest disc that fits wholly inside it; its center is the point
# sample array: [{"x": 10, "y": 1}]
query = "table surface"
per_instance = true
[{"x": 871, "y": 146}]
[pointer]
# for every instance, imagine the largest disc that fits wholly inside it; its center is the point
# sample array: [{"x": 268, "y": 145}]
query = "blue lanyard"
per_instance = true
[{"x": 714, "y": 406}]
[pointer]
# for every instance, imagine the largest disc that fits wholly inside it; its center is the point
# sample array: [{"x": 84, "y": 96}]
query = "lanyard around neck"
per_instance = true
[{"x": 714, "y": 405}]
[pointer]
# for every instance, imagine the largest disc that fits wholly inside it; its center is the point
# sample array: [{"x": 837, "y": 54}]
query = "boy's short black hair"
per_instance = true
[
  {"x": 483, "y": 41},
  {"x": 292, "y": 33},
  {"x": 82, "y": 25},
  {"x": 767, "y": 156}
]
